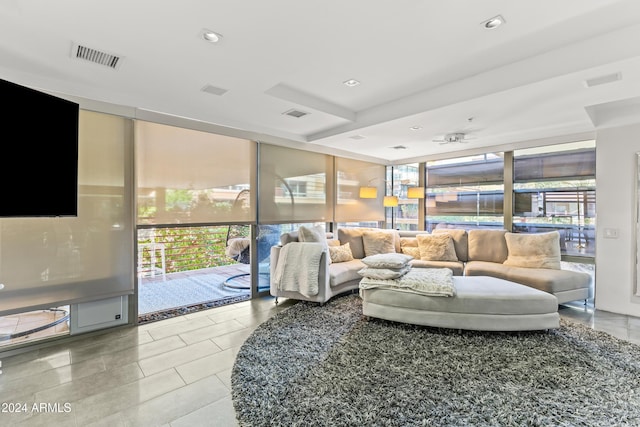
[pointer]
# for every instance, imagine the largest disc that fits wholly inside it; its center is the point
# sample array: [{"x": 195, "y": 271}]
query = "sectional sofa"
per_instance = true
[{"x": 528, "y": 259}]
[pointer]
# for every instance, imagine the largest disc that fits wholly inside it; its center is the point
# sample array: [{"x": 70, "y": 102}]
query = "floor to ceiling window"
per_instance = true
[
  {"x": 195, "y": 209},
  {"x": 554, "y": 189}
]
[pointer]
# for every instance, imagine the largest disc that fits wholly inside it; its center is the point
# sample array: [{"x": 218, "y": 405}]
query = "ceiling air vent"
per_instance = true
[
  {"x": 609, "y": 78},
  {"x": 295, "y": 113},
  {"x": 96, "y": 56},
  {"x": 357, "y": 137},
  {"x": 399, "y": 147},
  {"x": 214, "y": 90}
]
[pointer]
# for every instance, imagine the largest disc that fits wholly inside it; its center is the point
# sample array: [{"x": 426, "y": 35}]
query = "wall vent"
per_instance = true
[
  {"x": 609, "y": 78},
  {"x": 96, "y": 56},
  {"x": 214, "y": 90},
  {"x": 295, "y": 113}
]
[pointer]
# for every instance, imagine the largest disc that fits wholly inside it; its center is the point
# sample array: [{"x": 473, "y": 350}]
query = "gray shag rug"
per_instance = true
[{"x": 313, "y": 365}]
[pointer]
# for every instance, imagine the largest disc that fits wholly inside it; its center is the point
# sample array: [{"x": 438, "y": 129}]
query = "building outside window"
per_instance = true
[
  {"x": 400, "y": 179},
  {"x": 555, "y": 189}
]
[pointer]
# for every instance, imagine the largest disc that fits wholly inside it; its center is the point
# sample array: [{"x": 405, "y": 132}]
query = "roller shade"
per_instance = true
[
  {"x": 186, "y": 176},
  {"x": 295, "y": 185},
  {"x": 49, "y": 262},
  {"x": 351, "y": 175}
]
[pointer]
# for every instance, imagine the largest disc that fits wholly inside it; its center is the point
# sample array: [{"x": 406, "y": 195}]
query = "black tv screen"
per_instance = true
[{"x": 39, "y": 166}]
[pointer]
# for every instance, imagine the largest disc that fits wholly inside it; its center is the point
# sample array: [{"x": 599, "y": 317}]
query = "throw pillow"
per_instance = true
[
  {"x": 384, "y": 273},
  {"x": 410, "y": 250},
  {"x": 378, "y": 242},
  {"x": 312, "y": 234},
  {"x": 436, "y": 247},
  {"x": 393, "y": 260},
  {"x": 341, "y": 253},
  {"x": 410, "y": 242},
  {"x": 409, "y": 246},
  {"x": 533, "y": 250},
  {"x": 316, "y": 233},
  {"x": 460, "y": 241}
]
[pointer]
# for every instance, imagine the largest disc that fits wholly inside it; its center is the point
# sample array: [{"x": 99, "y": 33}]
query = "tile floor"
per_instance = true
[{"x": 174, "y": 372}]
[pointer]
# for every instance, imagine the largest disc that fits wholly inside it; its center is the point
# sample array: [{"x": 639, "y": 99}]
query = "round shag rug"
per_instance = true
[{"x": 313, "y": 365}]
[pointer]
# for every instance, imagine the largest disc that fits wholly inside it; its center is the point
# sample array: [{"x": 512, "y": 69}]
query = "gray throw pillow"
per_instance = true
[{"x": 394, "y": 260}]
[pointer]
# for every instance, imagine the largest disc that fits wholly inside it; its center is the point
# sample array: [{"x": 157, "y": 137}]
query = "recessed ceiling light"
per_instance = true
[
  {"x": 416, "y": 127},
  {"x": 357, "y": 137},
  {"x": 351, "y": 82},
  {"x": 211, "y": 36},
  {"x": 493, "y": 23}
]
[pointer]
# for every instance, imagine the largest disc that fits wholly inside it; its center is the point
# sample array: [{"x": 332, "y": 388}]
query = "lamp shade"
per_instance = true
[
  {"x": 390, "y": 201},
  {"x": 368, "y": 192},
  {"x": 415, "y": 193}
]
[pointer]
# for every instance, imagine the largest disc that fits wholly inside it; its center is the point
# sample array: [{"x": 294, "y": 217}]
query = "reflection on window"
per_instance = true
[
  {"x": 351, "y": 176},
  {"x": 555, "y": 189},
  {"x": 294, "y": 185},
  {"x": 466, "y": 192},
  {"x": 401, "y": 178}
]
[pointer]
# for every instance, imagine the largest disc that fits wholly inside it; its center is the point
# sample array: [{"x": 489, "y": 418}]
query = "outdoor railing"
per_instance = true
[{"x": 178, "y": 249}]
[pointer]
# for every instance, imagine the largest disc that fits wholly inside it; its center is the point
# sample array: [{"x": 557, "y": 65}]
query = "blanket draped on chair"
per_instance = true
[{"x": 298, "y": 267}]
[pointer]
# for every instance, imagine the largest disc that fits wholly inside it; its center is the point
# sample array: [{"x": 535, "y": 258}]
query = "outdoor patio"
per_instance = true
[{"x": 173, "y": 294}]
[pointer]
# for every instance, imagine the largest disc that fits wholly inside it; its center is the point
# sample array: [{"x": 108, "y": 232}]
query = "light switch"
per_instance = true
[{"x": 610, "y": 233}]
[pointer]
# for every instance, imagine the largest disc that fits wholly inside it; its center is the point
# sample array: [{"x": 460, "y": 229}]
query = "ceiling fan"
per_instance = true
[{"x": 450, "y": 138}]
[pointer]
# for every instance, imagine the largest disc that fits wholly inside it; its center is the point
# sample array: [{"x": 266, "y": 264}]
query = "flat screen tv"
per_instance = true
[{"x": 39, "y": 162}]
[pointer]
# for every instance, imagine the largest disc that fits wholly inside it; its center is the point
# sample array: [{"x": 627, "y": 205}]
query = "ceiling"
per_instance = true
[{"x": 420, "y": 63}]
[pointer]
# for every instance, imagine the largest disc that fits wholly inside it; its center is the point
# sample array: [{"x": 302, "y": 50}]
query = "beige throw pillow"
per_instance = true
[
  {"x": 410, "y": 250},
  {"x": 333, "y": 242},
  {"x": 340, "y": 253},
  {"x": 378, "y": 242},
  {"x": 410, "y": 242},
  {"x": 436, "y": 247},
  {"x": 540, "y": 250}
]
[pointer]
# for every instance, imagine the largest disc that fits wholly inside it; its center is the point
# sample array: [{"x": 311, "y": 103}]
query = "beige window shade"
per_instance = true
[
  {"x": 295, "y": 185},
  {"x": 351, "y": 176},
  {"x": 187, "y": 177},
  {"x": 48, "y": 262}
]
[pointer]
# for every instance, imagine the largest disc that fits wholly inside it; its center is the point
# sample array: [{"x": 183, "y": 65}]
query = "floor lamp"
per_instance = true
[{"x": 391, "y": 202}]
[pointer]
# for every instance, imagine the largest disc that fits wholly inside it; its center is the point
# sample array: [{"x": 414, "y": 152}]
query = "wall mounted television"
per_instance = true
[{"x": 39, "y": 162}]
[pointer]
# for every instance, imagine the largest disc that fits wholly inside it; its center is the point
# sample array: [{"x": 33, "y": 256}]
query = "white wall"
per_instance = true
[{"x": 615, "y": 208}]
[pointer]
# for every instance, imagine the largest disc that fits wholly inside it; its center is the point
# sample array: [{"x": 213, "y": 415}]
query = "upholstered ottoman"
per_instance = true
[{"x": 481, "y": 303}]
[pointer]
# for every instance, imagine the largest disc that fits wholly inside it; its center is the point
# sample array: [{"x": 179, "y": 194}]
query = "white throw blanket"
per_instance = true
[
  {"x": 423, "y": 281},
  {"x": 298, "y": 267}
]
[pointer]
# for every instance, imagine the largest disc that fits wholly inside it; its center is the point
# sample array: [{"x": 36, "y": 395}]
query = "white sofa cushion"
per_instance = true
[{"x": 343, "y": 272}]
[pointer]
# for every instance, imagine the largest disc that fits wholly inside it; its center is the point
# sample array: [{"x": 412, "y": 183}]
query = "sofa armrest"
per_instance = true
[
  {"x": 275, "y": 254},
  {"x": 323, "y": 278}
]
